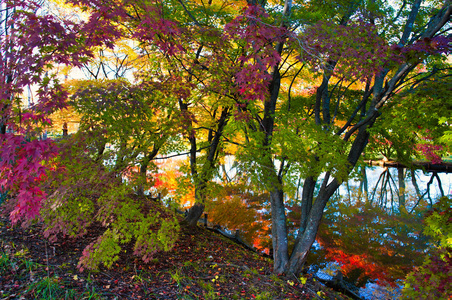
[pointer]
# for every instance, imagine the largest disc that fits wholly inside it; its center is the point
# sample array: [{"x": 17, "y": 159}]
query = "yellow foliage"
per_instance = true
[{"x": 68, "y": 116}]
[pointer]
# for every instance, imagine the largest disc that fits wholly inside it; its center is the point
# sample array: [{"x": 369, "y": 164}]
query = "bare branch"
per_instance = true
[
  {"x": 189, "y": 13},
  {"x": 290, "y": 86}
]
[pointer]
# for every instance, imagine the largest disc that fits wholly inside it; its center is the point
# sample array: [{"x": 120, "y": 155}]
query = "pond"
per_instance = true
[{"x": 390, "y": 187}]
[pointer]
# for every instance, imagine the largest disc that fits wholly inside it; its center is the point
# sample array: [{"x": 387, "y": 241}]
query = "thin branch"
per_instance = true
[
  {"x": 289, "y": 67},
  {"x": 423, "y": 195},
  {"x": 339, "y": 100},
  {"x": 358, "y": 125},
  {"x": 290, "y": 87},
  {"x": 181, "y": 154},
  {"x": 399, "y": 12},
  {"x": 189, "y": 13},
  {"x": 232, "y": 142}
]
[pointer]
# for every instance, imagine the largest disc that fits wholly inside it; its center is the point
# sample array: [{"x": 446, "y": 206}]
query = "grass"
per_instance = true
[
  {"x": 30, "y": 280},
  {"x": 49, "y": 288}
]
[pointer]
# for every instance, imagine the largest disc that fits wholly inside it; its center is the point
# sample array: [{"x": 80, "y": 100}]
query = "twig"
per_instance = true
[
  {"x": 48, "y": 269},
  {"x": 317, "y": 296},
  {"x": 106, "y": 274},
  {"x": 213, "y": 277},
  {"x": 209, "y": 264},
  {"x": 47, "y": 260}
]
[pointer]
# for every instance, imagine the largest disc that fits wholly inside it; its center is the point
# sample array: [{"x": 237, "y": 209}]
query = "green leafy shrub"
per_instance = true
[
  {"x": 85, "y": 193},
  {"x": 433, "y": 279}
]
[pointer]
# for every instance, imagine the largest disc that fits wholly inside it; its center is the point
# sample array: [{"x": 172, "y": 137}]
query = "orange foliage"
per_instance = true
[
  {"x": 172, "y": 184},
  {"x": 233, "y": 209},
  {"x": 358, "y": 267}
]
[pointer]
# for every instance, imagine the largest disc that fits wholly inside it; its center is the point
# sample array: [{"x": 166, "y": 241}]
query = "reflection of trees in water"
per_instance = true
[
  {"x": 397, "y": 189},
  {"x": 427, "y": 191},
  {"x": 373, "y": 227}
]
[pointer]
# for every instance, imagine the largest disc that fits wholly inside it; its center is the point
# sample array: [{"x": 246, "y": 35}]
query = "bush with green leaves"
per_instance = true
[
  {"x": 85, "y": 193},
  {"x": 433, "y": 279}
]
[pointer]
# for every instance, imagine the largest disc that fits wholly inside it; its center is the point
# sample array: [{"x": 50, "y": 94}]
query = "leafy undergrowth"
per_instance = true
[{"x": 202, "y": 265}]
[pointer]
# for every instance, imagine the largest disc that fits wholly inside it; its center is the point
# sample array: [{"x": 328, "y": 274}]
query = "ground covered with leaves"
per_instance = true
[{"x": 202, "y": 265}]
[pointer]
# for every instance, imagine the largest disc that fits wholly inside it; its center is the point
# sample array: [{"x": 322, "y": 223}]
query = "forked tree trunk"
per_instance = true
[
  {"x": 202, "y": 178},
  {"x": 308, "y": 233},
  {"x": 381, "y": 91},
  {"x": 307, "y": 238}
]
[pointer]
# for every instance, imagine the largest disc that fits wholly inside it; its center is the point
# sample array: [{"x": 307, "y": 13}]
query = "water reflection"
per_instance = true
[
  {"x": 390, "y": 188},
  {"x": 373, "y": 229}
]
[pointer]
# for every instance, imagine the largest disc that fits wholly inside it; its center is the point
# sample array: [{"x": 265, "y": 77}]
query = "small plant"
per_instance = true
[
  {"x": 65, "y": 266},
  {"x": 12, "y": 264},
  {"x": 177, "y": 277},
  {"x": 89, "y": 278},
  {"x": 91, "y": 294},
  {"x": 154, "y": 261},
  {"x": 275, "y": 278},
  {"x": 141, "y": 278},
  {"x": 264, "y": 296},
  {"x": 192, "y": 265},
  {"x": 188, "y": 264},
  {"x": 210, "y": 295},
  {"x": 6, "y": 264},
  {"x": 202, "y": 244},
  {"x": 47, "y": 288},
  {"x": 205, "y": 286},
  {"x": 138, "y": 278},
  {"x": 69, "y": 294},
  {"x": 22, "y": 253},
  {"x": 250, "y": 272}
]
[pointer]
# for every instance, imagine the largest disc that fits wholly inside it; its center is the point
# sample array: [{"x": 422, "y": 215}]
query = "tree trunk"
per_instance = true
[
  {"x": 279, "y": 232},
  {"x": 307, "y": 238},
  {"x": 382, "y": 91},
  {"x": 201, "y": 179},
  {"x": 306, "y": 202},
  {"x": 194, "y": 213},
  {"x": 142, "y": 178},
  {"x": 144, "y": 169},
  {"x": 401, "y": 178}
]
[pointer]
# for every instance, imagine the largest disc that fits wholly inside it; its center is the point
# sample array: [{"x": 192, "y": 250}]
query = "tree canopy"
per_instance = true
[{"x": 296, "y": 93}]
